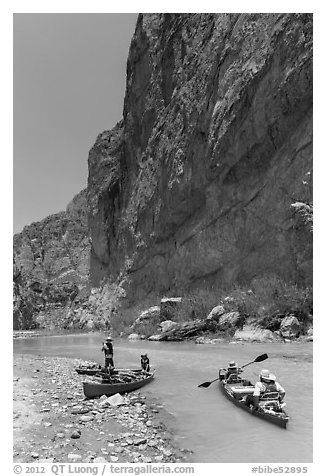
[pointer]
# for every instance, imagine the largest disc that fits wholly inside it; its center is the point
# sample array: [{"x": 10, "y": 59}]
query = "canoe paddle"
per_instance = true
[{"x": 260, "y": 358}]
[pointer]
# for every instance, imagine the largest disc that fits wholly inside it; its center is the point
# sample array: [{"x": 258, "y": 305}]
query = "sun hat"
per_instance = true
[
  {"x": 232, "y": 364},
  {"x": 109, "y": 338},
  {"x": 264, "y": 374},
  {"x": 272, "y": 377}
]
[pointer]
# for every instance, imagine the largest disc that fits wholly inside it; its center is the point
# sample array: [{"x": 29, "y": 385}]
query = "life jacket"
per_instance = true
[
  {"x": 269, "y": 392},
  {"x": 233, "y": 377},
  {"x": 232, "y": 370},
  {"x": 108, "y": 349}
]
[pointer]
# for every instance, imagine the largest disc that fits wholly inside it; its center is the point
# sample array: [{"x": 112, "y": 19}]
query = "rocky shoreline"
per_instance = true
[{"x": 53, "y": 422}]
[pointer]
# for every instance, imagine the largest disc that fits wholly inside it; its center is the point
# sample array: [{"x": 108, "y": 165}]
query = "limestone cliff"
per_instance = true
[
  {"x": 51, "y": 262},
  {"x": 195, "y": 186}
]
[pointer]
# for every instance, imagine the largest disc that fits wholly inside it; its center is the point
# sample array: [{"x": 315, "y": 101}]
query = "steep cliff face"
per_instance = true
[
  {"x": 195, "y": 186},
  {"x": 51, "y": 262}
]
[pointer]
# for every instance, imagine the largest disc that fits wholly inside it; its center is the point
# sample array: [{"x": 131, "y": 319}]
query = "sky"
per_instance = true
[{"x": 69, "y": 79}]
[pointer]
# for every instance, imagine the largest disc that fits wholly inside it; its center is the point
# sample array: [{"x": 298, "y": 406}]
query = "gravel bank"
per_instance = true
[{"x": 53, "y": 422}]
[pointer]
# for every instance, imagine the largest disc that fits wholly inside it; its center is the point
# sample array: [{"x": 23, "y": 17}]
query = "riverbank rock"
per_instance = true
[
  {"x": 100, "y": 459},
  {"x": 229, "y": 320},
  {"x": 151, "y": 314},
  {"x": 116, "y": 400},
  {"x": 134, "y": 337},
  {"x": 207, "y": 340},
  {"x": 190, "y": 329},
  {"x": 74, "y": 458},
  {"x": 290, "y": 327},
  {"x": 155, "y": 337},
  {"x": 302, "y": 338},
  {"x": 168, "y": 325},
  {"x": 254, "y": 334},
  {"x": 216, "y": 313},
  {"x": 86, "y": 418}
]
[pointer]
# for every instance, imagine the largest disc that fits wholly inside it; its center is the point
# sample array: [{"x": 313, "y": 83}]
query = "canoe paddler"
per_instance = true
[
  {"x": 233, "y": 369},
  {"x": 107, "y": 348},
  {"x": 267, "y": 388}
]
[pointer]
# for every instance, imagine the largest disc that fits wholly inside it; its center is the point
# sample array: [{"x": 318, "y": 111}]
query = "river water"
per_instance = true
[{"x": 203, "y": 419}]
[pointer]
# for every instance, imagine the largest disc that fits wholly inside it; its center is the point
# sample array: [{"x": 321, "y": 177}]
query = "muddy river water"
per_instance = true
[{"x": 203, "y": 420}]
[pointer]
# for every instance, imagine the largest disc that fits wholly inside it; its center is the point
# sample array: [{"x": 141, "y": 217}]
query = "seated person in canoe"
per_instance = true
[
  {"x": 267, "y": 391},
  {"x": 233, "y": 372},
  {"x": 144, "y": 361}
]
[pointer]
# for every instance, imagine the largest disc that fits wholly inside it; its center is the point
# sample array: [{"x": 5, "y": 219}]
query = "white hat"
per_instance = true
[{"x": 264, "y": 373}]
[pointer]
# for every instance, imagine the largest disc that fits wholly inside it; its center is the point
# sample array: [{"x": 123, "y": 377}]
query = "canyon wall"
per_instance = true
[
  {"x": 195, "y": 186},
  {"x": 51, "y": 262}
]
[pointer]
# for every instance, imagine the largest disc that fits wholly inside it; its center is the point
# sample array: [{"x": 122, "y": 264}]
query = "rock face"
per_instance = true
[
  {"x": 290, "y": 327},
  {"x": 51, "y": 262},
  {"x": 251, "y": 334},
  {"x": 195, "y": 185}
]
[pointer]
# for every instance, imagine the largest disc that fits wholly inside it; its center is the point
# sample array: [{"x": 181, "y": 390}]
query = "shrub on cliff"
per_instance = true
[
  {"x": 269, "y": 299},
  {"x": 196, "y": 305}
]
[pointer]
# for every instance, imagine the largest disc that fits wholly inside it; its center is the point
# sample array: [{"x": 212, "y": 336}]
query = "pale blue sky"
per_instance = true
[{"x": 69, "y": 85}]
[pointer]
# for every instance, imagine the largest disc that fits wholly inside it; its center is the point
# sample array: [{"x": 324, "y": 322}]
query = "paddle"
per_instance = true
[{"x": 260, "y": 358}]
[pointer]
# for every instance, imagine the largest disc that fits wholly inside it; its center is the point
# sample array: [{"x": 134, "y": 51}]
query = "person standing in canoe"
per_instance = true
[
  {"x": 267, "y": 388},
  {"x": 107, "y": 348}
]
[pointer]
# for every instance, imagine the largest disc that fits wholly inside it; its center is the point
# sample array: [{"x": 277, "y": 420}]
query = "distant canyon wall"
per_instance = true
[{"x": 51, "y": 262}]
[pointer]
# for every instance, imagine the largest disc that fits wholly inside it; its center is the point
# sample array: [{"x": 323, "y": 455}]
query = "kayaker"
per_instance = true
[
  {"x": 266, "y": 388},
  {"x": 107, "y": 348}
]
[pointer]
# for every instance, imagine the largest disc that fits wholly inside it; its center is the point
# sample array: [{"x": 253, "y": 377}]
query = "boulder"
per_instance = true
[
  {"x": 156, "y": 337},
  {"x": 75, "y": 434},
  {"x": 100, "y": 459},
  {"x": 216, "y": 313},
  {"x": 255, "y": 334},
  {"x": 290, "y": 327},
  {"x": 228, "y": 320},
  {"x": 206, "y": 340},
  {"x": 86, "y": 418},
  {"x": 149, "y": 314},
  {"x": 74, "y": 458},
  {"x": 116, "y": 400},
  {"x": 168, "y": 325},
  {"x": 189, "y": 329},
  {"x": 134, "y": 337}
]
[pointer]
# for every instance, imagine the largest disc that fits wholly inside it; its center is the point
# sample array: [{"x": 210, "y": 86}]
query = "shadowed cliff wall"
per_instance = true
[{"x": 194, "y": 186}]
